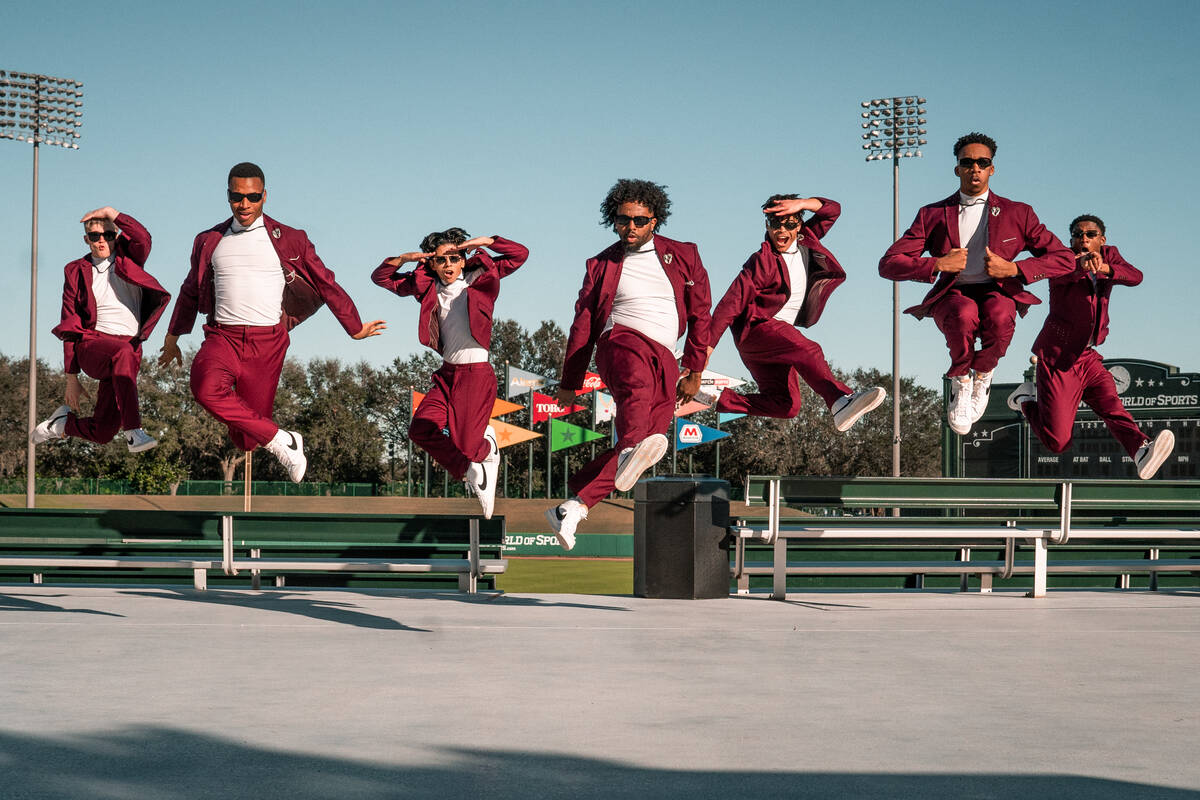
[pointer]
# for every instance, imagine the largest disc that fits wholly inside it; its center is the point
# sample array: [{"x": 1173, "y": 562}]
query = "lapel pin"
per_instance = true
[
  {"x": 275, "y": 232},
  {"x": 995, "y": 211},
  {"x": 667, "y": 258}
]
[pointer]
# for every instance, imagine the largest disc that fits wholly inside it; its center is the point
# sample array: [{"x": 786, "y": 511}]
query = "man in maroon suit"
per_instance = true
[
  {"x": 255, "y": 279},
  {"x": 458, "y": 297},
  {"x": 978, "y": 291},
  {"x": 638, "y": 297},
  {"x": 1068, "y": 367},
  {"x": 110, "y": 306},
  {"x": 781, "y": 288}
]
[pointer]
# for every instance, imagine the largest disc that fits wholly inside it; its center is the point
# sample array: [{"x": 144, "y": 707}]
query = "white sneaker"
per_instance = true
[
  {"x": 633, "y": 461},
  {"x": 1153, "y": 453},
  {"x": 709, "y": 395},
  {"x": 288, "y": 447},
  {"x": 53, "y": 428},
  {"x": 958, "y": 412},
  {"x": 138, "y": 440},
  {"x": 1025, "y": 393},
  {"x": 981, "y": 390},
  {"x": 564, "y": 519},
  {"x": 848, "y": 408},
  {"x": 481, "y": 476}
]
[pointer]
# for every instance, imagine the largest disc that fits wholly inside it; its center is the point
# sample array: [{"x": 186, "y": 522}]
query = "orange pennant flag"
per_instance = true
[{"x": 507, "y": 434}]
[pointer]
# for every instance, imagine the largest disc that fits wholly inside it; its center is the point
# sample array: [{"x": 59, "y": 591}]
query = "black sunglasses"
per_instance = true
[
  {"x": 237, "y": 197},
  {"x": 1085, "y": 234},
  {"x": 776, "y": 222},
  {"x": 967, "y": 163},
  {"x": 441, "y": 261},
  {"x": 95, "y": 236},
  {"x": 638, "y": 222}
]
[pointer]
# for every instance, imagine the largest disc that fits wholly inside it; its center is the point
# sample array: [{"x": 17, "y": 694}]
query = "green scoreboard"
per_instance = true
[{"x": 1157, "y": 395}]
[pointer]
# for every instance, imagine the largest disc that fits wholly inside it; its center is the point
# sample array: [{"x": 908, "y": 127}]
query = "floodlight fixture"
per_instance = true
[{"x": 41, "y": 110}]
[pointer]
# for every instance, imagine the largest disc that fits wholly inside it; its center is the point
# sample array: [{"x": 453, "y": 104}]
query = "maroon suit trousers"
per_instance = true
[
  {"x": 460, "y": 401},
  {"x": 778, "y": 355},
  {"x": 114, "y": 362},
  {"x": 975, "y": 311},
  {"x": 1059, "y": 391},
  {"x": 641, "y": 374},
  {"x": 235, "y": 376}
]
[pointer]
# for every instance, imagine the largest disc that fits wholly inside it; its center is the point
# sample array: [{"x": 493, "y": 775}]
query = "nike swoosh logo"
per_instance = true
[
  {"x": 483, "y": 483},
  {"x": 292, "y": 436}
]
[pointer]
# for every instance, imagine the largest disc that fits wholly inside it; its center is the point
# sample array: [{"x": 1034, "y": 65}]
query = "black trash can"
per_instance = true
[{"x": 680, "y": 538}]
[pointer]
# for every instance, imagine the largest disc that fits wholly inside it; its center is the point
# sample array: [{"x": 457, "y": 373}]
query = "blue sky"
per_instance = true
[{"x": 379, "y": 122}]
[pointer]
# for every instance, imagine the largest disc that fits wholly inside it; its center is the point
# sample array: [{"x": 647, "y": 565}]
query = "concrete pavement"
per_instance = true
[{"x": 145, "y": 692}]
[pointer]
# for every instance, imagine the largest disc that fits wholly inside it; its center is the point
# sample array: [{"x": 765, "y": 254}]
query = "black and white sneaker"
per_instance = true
[
  {"x": 1025, "y": 393},
  {"x": 1153, "y": 453},
  {"x": 848, "y": 408},
  {"x": 139, "y": 441},
  {"x": 53, "y": 428},
  {"x": 481, "y": 476},
  {"x": 288, "y": 447},
  {"x": 633, "y": 461},
  {"x": 564, "y": 519}
]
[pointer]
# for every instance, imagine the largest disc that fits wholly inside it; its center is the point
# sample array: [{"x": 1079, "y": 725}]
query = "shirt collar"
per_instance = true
[
  {"x": 238, "y": 228},
  {"x": 102, "y": 264},
  {"x": 967, "y": 200}
]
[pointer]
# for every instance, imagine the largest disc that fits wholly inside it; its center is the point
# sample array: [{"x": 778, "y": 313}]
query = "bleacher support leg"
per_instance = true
[
  {"x": 200, "y": 579},
  {"x": 779, "y": 571},
  {"x": 1039, "y": 567}
]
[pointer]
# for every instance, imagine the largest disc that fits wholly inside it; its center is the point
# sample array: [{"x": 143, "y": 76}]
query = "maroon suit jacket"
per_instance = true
[
  {"x": 481, "y": 292},
  {"x": 300, "y": 261},
  {"x": 1079, "y": 310},
  {"x": 764, "y": 285},
  {"x": 1012, "y": 227},
  {"x": 681, "y": 262},
  {"x": 130, "y": 251}
]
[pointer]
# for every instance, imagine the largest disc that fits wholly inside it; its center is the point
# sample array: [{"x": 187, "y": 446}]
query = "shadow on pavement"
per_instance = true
[
  {"x": 157, "y": 762},
  {"x": 17, "y": 602},
  {"x": 303, "y": 604}
]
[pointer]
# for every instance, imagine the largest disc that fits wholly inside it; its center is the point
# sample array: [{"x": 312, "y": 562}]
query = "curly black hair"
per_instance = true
[
  {"x": 450, "y": 236},
  {"x": 975, "y": 138},
  {"x": 1087, "y": 218},
  {"x": 632, "y": 190},
  {"x": 775, "y": 198}
]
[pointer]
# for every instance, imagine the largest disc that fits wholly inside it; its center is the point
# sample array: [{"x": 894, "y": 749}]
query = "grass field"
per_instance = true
[{"x": 567, "y": 575}]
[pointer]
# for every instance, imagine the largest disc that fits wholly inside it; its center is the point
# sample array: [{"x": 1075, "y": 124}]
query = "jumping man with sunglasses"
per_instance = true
[
  {"x": 1068, "y": 367},
  {"x": 782, "y": 287},
  {"x": 978, "y": 291},
  {"x": 110, "y": 306},
  {"x": 457, "y": 292},
  {"x": 255, "y": 279},
  {"x": 639, "y": 296}
]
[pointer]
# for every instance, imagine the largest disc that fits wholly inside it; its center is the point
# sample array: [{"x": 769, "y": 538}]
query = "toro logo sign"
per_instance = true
[
  {"x": 690, "y": 433},
  {"x": 545, "y": 407}
]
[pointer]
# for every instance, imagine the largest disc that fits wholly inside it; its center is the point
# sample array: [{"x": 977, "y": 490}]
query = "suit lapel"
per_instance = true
[{"x": 951, "y": 217}]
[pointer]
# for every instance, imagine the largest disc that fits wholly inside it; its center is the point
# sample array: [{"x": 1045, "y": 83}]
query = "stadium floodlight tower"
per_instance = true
[
  {"x": 38, "y": 109},
  {"x": 893, "y": 128}
]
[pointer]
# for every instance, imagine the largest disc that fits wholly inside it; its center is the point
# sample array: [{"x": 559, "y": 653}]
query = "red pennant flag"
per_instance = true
[{"x": 545, "y": 407}]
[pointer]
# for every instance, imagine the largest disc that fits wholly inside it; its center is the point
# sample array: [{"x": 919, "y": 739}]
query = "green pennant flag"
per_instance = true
[{"x": 564, "y": 435}]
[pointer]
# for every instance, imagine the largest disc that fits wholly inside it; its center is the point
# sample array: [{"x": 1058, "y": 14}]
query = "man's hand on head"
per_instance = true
[{"x": 107, "y": 213}]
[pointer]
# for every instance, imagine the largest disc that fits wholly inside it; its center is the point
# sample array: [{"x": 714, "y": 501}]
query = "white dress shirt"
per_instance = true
[
  {"x": 458, "y": 345},
  {"x": 796, "y": 261},
  {"x": 247, "y": 278},
  {"x": 645, "y": 299},
  {"x": 117, "y": 301}
]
